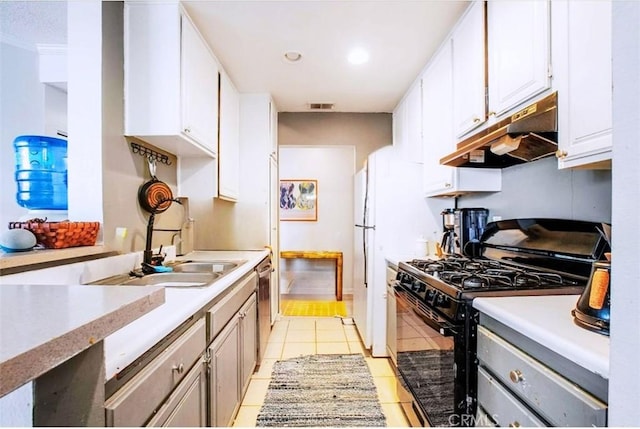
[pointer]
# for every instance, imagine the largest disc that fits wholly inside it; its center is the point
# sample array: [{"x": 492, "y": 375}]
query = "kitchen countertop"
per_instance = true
[
  {"x": 547, "y": 320},
  {"x": 43, "y": 326},
  {"x": 129, "y": 343},
  {"x": 15, "y": 262}
]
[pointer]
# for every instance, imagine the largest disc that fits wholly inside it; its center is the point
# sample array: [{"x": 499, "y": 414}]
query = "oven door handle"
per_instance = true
[{"x": 444, "y": 328}]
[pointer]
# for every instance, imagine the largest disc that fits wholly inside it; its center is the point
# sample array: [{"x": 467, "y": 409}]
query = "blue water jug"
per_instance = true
[{"x": 41, "y": 172}]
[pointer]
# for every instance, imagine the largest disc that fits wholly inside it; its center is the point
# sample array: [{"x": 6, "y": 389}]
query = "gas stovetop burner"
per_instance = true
[
  {"x": 474, "y": 282},
  {"x": 537, "y": 279},
  {"x": 466, "y": 274}
]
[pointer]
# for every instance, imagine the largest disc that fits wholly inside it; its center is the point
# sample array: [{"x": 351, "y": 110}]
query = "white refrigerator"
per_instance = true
[{"x": 390, "y": 215}]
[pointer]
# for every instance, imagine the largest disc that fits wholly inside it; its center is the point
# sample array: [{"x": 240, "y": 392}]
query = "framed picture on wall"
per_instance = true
[{"x": 299, "y": 199}]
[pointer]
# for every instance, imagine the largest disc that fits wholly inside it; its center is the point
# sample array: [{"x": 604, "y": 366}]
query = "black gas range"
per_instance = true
[{"x": 434, "y": 296}]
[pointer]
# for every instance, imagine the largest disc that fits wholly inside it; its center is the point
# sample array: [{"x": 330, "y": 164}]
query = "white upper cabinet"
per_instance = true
[
  {"x": 518, "y": 52},
  {"x": 229, "y": 152},
  {"x": 171, "y": 80},
  {"x": 199, "y": 84},
  {"x": 399, "y": 125},
  {"x": 407, "y": 125},
  {"x": 582, "y": 64},
  {"x": 437, "y": 125},
  {"x": 468, "y": 50}
]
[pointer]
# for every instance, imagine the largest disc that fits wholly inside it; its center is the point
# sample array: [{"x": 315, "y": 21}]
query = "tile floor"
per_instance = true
[{"x": 295, "y": 336}]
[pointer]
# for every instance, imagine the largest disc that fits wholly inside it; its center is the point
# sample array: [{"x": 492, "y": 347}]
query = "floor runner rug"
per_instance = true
[
  {"x": 314, "y": 308},
  {"x": 321, "y": 391}
]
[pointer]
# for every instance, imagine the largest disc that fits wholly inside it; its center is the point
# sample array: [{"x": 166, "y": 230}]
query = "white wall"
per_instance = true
[
  {"x": 84, "y": 150},
  {"x": 624, "y": 381},
  {"x": 540, "y": 189},
  {"x": 22, "y": 112},
  {"x": 333, "y": 167}
]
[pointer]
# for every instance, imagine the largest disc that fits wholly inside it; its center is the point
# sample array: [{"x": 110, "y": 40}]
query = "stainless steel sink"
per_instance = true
[
  {"x": 174, "y": 279},
  {"x": 185, "y": 274},
  {"x": 222, "y": 267}
]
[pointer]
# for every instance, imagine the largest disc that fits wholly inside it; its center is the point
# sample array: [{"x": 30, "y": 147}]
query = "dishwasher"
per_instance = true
[{"x": 264, "y": 270}]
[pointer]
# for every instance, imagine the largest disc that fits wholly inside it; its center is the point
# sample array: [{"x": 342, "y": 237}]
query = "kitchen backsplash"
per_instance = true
[{"x": 540, "y": 189}]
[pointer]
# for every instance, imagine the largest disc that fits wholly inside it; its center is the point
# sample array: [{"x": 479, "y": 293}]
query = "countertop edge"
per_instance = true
[
  {"x": 568, "y": 340},
  {"x": 13, "y": 263},
  {"x": 25, "y": 367}
]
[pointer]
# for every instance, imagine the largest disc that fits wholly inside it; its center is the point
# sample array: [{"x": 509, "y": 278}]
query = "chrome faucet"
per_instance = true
[{"x": 148, "y": 260}]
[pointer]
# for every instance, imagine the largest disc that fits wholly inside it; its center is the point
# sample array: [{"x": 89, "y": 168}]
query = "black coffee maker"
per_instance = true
[
  {"x": 448, "y": 244},
  {"x": 462, "y": 230},
  {"x": 469, "y": 226}
]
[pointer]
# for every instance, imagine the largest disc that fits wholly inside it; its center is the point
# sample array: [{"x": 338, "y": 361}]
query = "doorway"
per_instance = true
[{"x": 314, "y": 278}]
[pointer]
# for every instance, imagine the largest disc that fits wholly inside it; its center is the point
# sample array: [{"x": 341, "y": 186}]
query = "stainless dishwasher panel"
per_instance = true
[{"x": 264, "y": 270}]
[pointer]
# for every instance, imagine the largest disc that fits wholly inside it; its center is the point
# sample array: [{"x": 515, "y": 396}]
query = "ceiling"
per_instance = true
[
  {"x": 250, "y": 39},
  {"x": 27, "y": 23}
]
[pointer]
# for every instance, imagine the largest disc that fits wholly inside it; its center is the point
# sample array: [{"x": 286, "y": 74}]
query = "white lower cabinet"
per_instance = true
[
  {"x": 233, "y": 351},
  {"x": 142, "y": 400},
  {"x": 248, "y": 321},
  {"x": 224, "y": 369},
  {"x": 199, "y": 378},
  {"x": 233, "y": 356},
  {"x": 516, "y": 389},
  {"x": 187, "y": 405}
]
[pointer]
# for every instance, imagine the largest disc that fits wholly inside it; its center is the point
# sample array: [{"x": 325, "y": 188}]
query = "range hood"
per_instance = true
[{"x": 528, "y": 135}]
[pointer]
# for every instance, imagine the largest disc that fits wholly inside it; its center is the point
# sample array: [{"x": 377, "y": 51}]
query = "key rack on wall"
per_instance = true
[{"x": 149, "y": 153}]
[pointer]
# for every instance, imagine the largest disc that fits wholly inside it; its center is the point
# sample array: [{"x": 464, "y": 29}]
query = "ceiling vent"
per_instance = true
[{"x": 321, "y": 106}]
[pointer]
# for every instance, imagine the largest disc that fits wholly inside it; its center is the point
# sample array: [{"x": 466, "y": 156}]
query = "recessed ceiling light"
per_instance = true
[
  {"x": 292, "y": 56},
  {"x": 358, "y": 56}
]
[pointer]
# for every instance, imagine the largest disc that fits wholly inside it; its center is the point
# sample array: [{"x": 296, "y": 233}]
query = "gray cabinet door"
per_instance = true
[
  {"x": 187, "y": 405},
  {"x": 224, "y": 386},
  {"x": 555, "y": 398},
  {"x": 135, "y": 402},
  {"x": 504, "y": 407},
  {"x": 248, "y": 341}
]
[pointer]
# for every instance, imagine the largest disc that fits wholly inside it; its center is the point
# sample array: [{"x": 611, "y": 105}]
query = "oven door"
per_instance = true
[{"x": 425, "y": 363}]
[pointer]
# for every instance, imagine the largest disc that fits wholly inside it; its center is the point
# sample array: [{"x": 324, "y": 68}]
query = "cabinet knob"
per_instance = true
[
  {"x": 447, "y": 185},
  {"x": 561, "y": 154},
  {"x": 515, "y": 424},
  {"x": 187, "y": 130},
  {"x": 178, "y": 368},
  {"x": 516, "y": 376},
  {"x": 476, "y": 120},
  {"x": 491, "y": 114}
]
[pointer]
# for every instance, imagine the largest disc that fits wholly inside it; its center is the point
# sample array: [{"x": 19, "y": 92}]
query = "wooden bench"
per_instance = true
[{"x": 319, "y": 254}]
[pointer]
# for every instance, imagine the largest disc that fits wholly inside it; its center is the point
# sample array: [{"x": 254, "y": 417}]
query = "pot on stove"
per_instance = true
[{"x": 593, "y": 307}]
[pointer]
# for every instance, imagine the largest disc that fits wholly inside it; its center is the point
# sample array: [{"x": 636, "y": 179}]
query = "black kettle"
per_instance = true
[{"x": 593, "y": 307}]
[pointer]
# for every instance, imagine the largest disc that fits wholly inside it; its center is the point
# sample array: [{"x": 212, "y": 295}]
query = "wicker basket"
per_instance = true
[{"x": 58, "y": 235}]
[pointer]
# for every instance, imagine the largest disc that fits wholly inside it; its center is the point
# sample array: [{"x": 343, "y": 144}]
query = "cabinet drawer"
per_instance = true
[
  {"x": 555, "y": 398},
  {"x": 220, "y": 314},
  {"x": 133, "y": 404},
  {"x": 503, "y": 407},
  {"x": 187, "y": 405}
]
